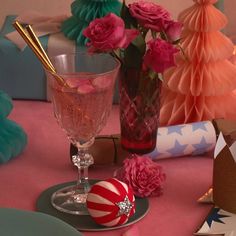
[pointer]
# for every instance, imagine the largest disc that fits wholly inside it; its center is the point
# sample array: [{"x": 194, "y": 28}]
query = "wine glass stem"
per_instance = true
[
  {"x": 82, "y": 160},
  {"x": 82, "y": 179}
]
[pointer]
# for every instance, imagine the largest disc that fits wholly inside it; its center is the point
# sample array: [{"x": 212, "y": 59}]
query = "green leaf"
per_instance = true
[
  {"x": 132, "y": 57},
  {"x": 163, "y": 35},
  {"x": 123, "y": 9},
  {"x": 152, "y": 74},
  {"x": 176, "y": 42},
  {"x": 140, "y": 44},
  {"x": 130, "y": 22},
  {"x": 154, "y": 34}
]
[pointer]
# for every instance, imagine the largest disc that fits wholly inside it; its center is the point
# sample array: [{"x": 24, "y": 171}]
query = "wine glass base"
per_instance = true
[{"x": 70, "y": 201}]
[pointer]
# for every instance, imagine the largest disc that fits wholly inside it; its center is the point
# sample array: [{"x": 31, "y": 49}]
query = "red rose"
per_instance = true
[
  {"x": 149, "y": 15},
  {"x": 160, "y": 55},
  {"x": 173, "y": 30},
  {"x": 109, "y": 33}
]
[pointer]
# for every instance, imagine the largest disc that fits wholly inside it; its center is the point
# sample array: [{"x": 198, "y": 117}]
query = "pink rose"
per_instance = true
[
  {"x": 159, "y": 55},
  {"x": 108, "y": 33},
  {"x": 173, "y": 30},
  {"x": 149, "y": 15},
  {"x": 143, "y": 175}
]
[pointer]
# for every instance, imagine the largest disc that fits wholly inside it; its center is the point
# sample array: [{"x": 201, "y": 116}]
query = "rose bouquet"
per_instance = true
[
  {"x": 145, "y": 40},
  {"x": 126, "y": 36}
]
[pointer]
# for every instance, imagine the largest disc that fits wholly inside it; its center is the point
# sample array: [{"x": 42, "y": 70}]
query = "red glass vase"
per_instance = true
[{"x": 139, "y": 111}]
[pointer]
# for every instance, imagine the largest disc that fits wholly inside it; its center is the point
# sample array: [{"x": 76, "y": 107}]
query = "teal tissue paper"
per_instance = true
[
  {"x": 5, "y": 105},
  {"x": 83, "y": 12},
  {"x": 220, "y": 5},
  {"x": 13, "y": 138}
]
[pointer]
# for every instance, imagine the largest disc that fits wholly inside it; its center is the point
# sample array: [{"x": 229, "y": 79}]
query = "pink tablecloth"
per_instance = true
[{"x": 45, "y": 162}]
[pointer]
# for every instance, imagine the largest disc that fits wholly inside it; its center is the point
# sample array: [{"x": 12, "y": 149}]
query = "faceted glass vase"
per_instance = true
[{"x": 139, "y": 111}]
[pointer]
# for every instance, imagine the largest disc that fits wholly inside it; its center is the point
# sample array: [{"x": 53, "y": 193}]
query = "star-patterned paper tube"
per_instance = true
[
  {"x": 172, "y": 141},
  {"x": 187, "y": 139}
]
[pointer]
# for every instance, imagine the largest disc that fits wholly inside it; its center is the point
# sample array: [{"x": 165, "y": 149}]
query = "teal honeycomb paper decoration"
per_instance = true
[
  {"x": 13, "y": 139},
  {"x": 83, "y": 12},
  {"x": 220, "y": 5}
]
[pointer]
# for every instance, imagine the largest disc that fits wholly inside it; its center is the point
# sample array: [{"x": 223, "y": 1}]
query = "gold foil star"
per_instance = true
[{"x": 207, "y": 197}]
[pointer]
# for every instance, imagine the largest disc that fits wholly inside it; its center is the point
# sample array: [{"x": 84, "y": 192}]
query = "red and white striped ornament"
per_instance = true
[{"x": 111, "y": 202}]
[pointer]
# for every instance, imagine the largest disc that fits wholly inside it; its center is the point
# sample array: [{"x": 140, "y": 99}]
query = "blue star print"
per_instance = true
[
  {"x": 175, "y": 129},
  {"x": 178, "y": 149},
  {"x": 201, "y": 147},
  {"x": 154, "y": 154},
  {"x": 199, "y": 125},
  {"x": 214, "y": 216}
]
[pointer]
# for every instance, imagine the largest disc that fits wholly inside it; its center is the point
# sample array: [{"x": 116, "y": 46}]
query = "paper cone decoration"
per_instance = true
[
  {"x": 204, "y": 79},
  {"x": 224, "y": 175},
  {"x": 179, "y": 108}
]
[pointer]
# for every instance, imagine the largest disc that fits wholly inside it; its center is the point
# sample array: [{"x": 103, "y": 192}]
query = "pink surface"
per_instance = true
[{"x": 45, "y": 162}]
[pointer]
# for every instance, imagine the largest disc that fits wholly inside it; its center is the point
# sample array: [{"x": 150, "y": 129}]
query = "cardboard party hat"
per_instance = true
[{"x": 224, "y": 175}]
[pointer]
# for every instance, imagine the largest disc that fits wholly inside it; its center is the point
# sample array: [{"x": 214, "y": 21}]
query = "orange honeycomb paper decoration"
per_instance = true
[{"x": 201, "y": 86}]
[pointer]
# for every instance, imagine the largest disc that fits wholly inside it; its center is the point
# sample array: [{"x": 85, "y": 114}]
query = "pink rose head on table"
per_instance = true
[
  {"x": 144, "y": 176},
  {"x": 127, "y": 39}
]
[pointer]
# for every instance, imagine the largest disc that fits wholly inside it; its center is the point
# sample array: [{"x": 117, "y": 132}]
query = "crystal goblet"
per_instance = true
[{"x": 81, "y": 108}]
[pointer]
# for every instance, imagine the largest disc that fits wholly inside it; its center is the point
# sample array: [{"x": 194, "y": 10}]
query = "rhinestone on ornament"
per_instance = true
[{"x": 125, "y": 206}]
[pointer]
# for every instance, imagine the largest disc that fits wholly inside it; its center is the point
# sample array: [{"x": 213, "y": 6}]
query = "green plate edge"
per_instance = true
[{"x": 17, "y": 222}]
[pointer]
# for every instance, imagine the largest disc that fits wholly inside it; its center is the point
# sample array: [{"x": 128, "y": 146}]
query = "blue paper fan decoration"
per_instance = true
[
  {"x": 13, "y": 139},
  {"x": 83, "y": 12}
]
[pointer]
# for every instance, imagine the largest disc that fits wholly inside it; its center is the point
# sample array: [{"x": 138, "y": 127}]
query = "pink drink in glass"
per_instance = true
[{"x": 82, "y": 109}]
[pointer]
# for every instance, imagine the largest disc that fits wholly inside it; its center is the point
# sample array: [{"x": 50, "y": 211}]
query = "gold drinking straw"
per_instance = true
[
  {"x": 40, "y": 47},
  {"x": 38, "y": 44},
  {"x": 34, "y": 44}
]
